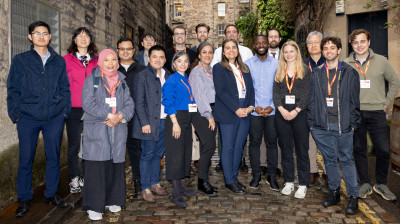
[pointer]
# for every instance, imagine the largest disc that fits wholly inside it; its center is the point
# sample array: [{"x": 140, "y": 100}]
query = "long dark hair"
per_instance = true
[
  {"x": 225, "y": 62},
  {"x": 199, "y": 48},
  {"x": 74, "y": 48}
]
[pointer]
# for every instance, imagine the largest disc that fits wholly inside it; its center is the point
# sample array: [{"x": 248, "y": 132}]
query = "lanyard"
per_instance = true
[
  {"x": 240, "y": 78},
  {"x": 205, "y": 71},
  {"x": 177, "y": 50},
  {"x": 309, "y": 65},
  {"x": 287, "y": 81},
  {"x": 333, "y": 80},
  {"x": 191, "y": 97},
  {"x": 366, "y": 68},
  {"x": 104, "y": 83}
]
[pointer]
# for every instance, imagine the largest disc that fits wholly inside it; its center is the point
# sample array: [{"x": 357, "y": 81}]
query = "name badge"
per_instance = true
[
  {"x": 290, "y": 99},
  {"x": 192, "y": 107},
  {"x": 329, "y": 102},
  {"x": 112, "y": 102},
  {"x": 365, "y": 84},
  {"x": 242, "y": 93}
]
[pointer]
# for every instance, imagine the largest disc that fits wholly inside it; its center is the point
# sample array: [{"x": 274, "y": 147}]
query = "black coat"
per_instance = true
[
  {"x": 348, "y": 94},
  {"x": 170, "y": 54}
]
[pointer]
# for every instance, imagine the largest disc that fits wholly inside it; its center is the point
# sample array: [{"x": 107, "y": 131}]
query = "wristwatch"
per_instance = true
[{"x": 254, "y": 110}]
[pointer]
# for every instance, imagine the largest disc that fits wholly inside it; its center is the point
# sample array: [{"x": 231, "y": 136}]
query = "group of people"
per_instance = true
[{"x": 148, "y": 105}]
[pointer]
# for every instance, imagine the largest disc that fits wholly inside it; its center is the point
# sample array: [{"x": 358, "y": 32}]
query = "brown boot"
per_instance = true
[
  {"x": 148, "y": 196},
  {"x": 158, "y": 190}
]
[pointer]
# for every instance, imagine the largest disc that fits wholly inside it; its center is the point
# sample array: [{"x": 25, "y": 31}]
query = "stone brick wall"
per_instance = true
[{"x": 106, "y": 19}]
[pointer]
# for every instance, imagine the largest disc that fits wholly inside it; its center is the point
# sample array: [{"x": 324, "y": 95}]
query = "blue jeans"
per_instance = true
[
  {"x": 28, "y": 132},
  {"x": 332, "y": 144},
  {"x": 150, "y": 161}
]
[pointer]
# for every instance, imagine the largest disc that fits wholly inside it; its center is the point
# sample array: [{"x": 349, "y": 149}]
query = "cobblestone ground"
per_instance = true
[{"x": 256, "y": 206}]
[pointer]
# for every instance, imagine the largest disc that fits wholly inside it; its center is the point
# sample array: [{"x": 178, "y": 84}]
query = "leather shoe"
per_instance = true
[
  {"x": 206, "y": 188},
  {"x": 263, "y": 170},
  {"x": 313, "y": 178},
  {"x": 273, "y": 184},
  {"x": 255, "y": 182},
  {"x": 352, "y": 206},
  {"x": 23, "y": 208},
  {"x": 333, "y": 198},
  {"x": 243, "y": 167},
  {"x": 240, "y": 184},
  {"x": 218, "y": 168},
  {"x": 235, "y": 188},
  {"x": 57, "y": 201}
]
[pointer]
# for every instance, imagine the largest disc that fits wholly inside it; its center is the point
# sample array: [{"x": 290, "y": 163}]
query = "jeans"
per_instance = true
[
  {"x": 28, "y": 132},
  {"x": 259, "y": 127},
  {"x": 332, "y": 144},
  {"x": 294, "y": 131},
  {"x": 375, "y": 123},
  {"x": 150, "y": 161},
  {"x": 74, "y": 126},
  {"x": 134, "y": 148}
]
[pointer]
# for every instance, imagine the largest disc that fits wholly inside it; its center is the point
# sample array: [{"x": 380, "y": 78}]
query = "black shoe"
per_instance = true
[
  {"x": 240, "y": 184},
  {"x": 333, "y": 198},
  {"x": 235, "y": 188},
  {"x": 255, "y": 182},
  {"x": 263, "y": 170},
  {"x": 352, "y": 206},
  {"x": 23, "y": 208},
  {"x": 243, "y": 167},
  {"x": 313, "y": 178},
  {"x": 57, "y": 201},
  {"x": 206, "y": 188},
  {"x": 138, "y": 188},
  {"x": 273, "y": 184},
  {"x": 179, "y": 201},
  {"x": 218, "y": 168}
]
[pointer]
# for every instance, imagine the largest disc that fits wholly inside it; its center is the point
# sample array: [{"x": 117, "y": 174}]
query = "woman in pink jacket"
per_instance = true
[{"x": 81, "y": 59}]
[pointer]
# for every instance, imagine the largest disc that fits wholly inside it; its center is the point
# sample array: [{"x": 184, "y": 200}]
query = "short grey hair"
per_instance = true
[
  {"x": 176, "y": 56},
  {"x": 315, "y": 33}
]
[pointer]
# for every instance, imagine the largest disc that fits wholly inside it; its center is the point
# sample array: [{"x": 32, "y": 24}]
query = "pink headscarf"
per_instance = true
[{"x": 112, "y": 77}]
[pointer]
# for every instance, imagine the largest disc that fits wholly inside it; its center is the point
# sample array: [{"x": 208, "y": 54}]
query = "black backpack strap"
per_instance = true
[{"x": 96, "y": 81}]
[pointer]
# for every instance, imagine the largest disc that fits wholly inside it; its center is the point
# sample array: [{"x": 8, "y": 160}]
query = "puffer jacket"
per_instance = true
[{"x": 100, "y": 142}]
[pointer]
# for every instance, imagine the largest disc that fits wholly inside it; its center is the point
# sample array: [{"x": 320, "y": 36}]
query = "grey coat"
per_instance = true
[
  {"x": 147, "y": 95},
  {"x": 100, "y": 142}
]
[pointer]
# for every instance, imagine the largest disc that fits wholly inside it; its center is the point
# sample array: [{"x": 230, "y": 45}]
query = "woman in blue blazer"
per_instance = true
[{"x": 234, "y": 101}]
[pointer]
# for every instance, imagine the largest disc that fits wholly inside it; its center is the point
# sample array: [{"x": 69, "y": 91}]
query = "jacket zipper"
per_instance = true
[
  {"x": 338, "y": 106},
  {"x": 326, "y": 114}
]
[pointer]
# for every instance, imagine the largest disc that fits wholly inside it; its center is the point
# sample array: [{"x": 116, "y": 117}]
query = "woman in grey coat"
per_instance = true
[{"x": 108, "y": 106}]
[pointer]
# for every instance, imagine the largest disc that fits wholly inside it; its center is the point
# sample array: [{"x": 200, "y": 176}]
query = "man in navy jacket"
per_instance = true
[{"x": 38, "y": 98}]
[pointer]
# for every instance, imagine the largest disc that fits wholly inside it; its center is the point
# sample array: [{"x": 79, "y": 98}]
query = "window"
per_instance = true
[
  {"x": 178, "y": 10},
  {"x": 243, "y": 1},
  {"x": 25, "y": 12},
  {"x": 221, "y": 29},
  {"x": 221, "y": 9}
]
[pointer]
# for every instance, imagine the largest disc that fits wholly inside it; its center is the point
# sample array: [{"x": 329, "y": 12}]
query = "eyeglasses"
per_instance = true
[
  {"x": 125, "y": 49},
  {"x": 312, "y": 43},
  {"x": 148, "y": 40},
  {"x": 83, "y": 36},
  {"x": 36, "y": 34},
  {"x": 179, "y": 34}
]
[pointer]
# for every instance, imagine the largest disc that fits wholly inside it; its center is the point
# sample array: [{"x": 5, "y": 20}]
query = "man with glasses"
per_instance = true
[
  {"x": 148, "y": 40},
  {"x": 130, "y": 68},
  {"x": 179, "y": 39},
  {"x": 38, "y": 98},
  {"x": 202, "y": 32}
]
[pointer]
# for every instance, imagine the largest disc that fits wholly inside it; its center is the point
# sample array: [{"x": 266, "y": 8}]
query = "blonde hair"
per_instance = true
[{"x": 282, "y": 66}]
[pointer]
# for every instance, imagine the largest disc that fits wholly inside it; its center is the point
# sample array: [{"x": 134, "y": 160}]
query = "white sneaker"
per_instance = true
[
  {"x": 74, "y": 185},
  {"x": 114, "y": 208},
  {"x": 301, "y": 192},
  {"x": 81, "y": 181},
  {"x": 288, "y": 189},
  {"x": 94, "y": 215}
]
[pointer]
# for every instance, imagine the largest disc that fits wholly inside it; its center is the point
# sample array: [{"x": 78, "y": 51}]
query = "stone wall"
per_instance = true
[{"x": 106, "y": 19}]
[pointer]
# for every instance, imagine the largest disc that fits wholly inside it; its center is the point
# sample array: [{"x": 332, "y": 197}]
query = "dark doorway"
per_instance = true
[
  {"x": 374, "y": 22},
  {"x": 141, "y": 32}
]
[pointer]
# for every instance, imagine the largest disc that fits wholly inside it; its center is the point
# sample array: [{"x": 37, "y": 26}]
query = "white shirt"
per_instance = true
[
  {"x": 238, "y": 78},
  {"x": 276, "y": 55},
  {"x": 244, "y": 52},
  {"x": 125, "y": 66},
  {"x": 162, "y": 80},
  {"x": 79, "y": 57}
]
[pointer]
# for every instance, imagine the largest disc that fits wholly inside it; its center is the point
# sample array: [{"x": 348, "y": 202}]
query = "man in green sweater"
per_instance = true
[{"x": 373, "y": 70}]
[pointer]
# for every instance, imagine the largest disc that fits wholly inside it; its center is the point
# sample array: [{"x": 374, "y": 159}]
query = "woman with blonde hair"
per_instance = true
[{"x": 291, "y": 89}]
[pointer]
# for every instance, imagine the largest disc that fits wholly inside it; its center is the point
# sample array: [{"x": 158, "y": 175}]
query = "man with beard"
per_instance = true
[
  {"x": 333, "y": 114},
  {"x": 263, "y": 68},
  {"x": 274, "y": 39},
  {"x": 202, "y": 32},
  {"x": 130, "y": 68}
]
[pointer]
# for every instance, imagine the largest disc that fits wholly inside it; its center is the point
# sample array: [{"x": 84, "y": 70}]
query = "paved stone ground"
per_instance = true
[{"x": 256, "y": 206}]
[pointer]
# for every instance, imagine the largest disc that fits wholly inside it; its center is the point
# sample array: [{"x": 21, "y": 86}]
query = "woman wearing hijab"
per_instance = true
[{"x": 108, "y": 106}]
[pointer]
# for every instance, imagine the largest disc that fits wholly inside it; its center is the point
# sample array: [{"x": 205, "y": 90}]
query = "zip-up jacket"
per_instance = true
[
  {"x": 35, "y": 91},
  {"x": 348, "y": 91},
  {"x": 77, "y": 74}
]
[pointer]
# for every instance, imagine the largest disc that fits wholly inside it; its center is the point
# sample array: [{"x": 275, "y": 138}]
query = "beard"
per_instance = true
[
  {"x": 273, "y": 44},
  {"x": 261, "y": 53}
]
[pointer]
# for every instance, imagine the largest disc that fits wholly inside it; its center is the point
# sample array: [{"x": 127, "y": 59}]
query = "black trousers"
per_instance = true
[
  {"x": 375, "y": 123},
  {"x": 104, "y": 185},
  {"x": 296, "y": 131},
  {"x": 134, "y": 148},
  {"x": 178, "y": 152},
  {"x": 207, "y": 143},
  {"x": 74, "y": 126},
  {"x": 259, "y": 127}
]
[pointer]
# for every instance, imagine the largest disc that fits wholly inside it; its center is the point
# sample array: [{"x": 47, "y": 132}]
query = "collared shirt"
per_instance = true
[
  {"x": 310, "y": 62},
  {"x": 79, "y": 57},
  {"x": 263, "y": 75},
  {"x": 162, "y": 81},
  {"x": 45, "y": 57},
  {"x": 245, "y": 54},
  {"x": 356, "y": 59},
  {"x": 175, "y": 94},
  {"x": 276, "y": 53},
  {"x": 203, "y": 89},
  {"x": 239, "y": 78},
  {"x": 146, "y": 59}
]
